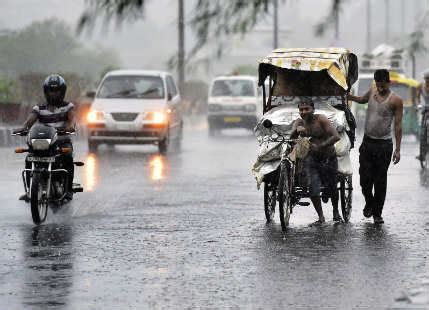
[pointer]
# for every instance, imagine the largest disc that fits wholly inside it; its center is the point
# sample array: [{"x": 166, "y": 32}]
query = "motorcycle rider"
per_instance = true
[{"x": 56, "y": 113}]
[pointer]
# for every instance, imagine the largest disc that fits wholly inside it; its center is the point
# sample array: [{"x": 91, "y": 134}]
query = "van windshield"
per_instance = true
[
  {"x": 233, "y": 88},
  {"x": 134, "y": 87}
]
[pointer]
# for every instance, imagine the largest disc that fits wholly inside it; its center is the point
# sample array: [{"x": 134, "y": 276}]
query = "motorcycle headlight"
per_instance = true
[{"x": 40, "y": 144}]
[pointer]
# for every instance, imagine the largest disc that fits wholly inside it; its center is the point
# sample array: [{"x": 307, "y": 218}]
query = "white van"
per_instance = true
[
  {"x": 135, "y": 107},
  {"x": 233, "y": 102}
]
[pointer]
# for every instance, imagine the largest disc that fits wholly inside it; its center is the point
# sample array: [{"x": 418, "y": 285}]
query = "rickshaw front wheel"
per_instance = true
[
  {"x": 269, "y": 201},
  {"x": 346, "y": 196},
  {"x": 285, "y": 202}
]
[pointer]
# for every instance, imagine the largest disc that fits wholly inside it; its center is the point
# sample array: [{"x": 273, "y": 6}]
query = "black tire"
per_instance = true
[
  {"x": 164, "y": 144},
  {"x": 38, "y": 200},
  {"x": 346, "y": 196},
  {"x": 269, "y": 201},
  {"x": 285, "y": 204},
  {"x": 92, "y": 146},
  {"x": 423, "y": 145}
]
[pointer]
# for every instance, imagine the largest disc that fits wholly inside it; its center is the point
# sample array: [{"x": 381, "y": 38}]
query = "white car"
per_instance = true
[
  {"x": 234, "y": 102},
  {"x": 135, "y": 107}
]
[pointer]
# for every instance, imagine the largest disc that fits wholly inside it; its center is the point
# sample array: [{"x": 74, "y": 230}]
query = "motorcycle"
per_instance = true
[{"x": 47, "y": 181}]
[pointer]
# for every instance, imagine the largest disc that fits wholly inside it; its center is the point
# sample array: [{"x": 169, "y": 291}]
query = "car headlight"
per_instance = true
[
  {"x": 213, "y": 107},
  {"x": 250, "y": 108},
  {"x": 40, "y": 144},
  {"x": 95, "y": 116},
  {"x": 156, "y": 117}
]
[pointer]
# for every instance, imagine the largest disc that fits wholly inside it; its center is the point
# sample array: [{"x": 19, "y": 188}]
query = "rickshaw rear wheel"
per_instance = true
[
  {"x": 346, "y": 196},
  {"x": 269, "y": 201},
  {"x": 284, "y": 193}
]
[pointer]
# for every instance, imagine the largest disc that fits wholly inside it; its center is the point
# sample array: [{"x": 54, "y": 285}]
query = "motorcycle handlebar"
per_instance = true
[{"x": 19, "y": 132}]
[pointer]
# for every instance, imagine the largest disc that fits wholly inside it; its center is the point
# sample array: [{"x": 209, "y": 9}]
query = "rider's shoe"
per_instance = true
[
  {"x": 419, "y": 157},
  {"x": 367, "y": 211},
  {"x": 378, "y": 220},
  {"x": 24, "y": 198}
]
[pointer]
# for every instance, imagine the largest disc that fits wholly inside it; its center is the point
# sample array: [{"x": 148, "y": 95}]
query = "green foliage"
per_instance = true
[
  {"x": 9, "y": 90},
  {"x": 210, "y": 18},
  {"x": 110, "y": 9},
  {"x": 329, "y": 20},
  {"x": 219, "y": 19},
  {"x": 50, "y": 46}
]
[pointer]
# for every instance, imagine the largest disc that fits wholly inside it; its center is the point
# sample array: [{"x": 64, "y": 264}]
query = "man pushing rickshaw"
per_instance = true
[{"x": 304, "y": 154}]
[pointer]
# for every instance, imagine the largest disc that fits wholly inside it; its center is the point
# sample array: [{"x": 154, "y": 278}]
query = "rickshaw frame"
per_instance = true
[{"x": 283, "y": 185}]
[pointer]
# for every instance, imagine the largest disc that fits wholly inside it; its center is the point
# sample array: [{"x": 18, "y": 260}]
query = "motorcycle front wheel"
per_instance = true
[{"x": 38, "y": 199}]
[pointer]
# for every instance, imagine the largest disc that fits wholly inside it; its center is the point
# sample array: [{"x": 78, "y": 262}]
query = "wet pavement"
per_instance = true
[{"x": 188, "y": 230}]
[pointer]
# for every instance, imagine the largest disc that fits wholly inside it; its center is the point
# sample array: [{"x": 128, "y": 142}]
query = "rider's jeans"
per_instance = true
[{"x": 374, "y": 159}]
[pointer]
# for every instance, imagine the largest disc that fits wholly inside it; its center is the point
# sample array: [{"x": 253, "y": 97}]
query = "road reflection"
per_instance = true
[
  {"x": 424, "y": 178},
  {"x": 48, "y": 270},
  {"x": 91, "y": 172},
  {"x": 158, "y": 166}
]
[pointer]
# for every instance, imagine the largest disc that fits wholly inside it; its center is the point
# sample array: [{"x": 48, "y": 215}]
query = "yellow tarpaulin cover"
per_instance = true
[
  {"x": 402, "y": 79},
  {"x": 334, "y": 60}
]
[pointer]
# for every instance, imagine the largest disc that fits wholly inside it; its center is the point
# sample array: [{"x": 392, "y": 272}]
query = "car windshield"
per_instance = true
[
  {"x": 233, "y": 88},
  {"x": 145, "y": 87}
]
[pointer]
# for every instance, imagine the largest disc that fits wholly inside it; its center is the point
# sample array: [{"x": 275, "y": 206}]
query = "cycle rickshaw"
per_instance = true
[{"x": 325, "y": 74}]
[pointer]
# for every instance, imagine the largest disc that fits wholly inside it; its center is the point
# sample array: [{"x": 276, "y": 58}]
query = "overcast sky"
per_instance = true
[{"x": 151, "y": 42}]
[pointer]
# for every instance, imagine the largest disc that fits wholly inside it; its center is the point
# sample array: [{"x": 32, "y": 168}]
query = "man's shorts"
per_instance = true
[{"x": 321, "y": 171}]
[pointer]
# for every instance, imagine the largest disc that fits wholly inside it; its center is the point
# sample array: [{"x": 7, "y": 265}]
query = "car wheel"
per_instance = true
[{"x": 163, "y": 144}]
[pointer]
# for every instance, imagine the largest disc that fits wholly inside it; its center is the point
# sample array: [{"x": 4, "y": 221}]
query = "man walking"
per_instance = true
[{"x": 384, "y": 108}]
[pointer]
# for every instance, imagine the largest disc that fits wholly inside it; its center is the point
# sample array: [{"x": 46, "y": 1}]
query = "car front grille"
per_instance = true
[{"x": 124, "y": 117}]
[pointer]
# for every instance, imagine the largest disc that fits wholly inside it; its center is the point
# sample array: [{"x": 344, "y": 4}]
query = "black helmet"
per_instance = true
[{"x": 54, "y": 83}]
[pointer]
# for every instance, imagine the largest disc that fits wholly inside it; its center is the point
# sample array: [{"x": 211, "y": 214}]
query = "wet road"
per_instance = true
[{"x": 188, "y": 230}]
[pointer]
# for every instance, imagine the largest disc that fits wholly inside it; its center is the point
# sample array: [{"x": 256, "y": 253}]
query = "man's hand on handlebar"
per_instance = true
[{"x": 301, "y": 131}]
